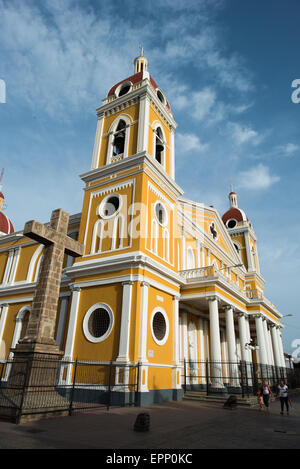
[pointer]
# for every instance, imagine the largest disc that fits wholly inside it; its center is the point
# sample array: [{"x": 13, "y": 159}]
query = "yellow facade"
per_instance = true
[{"x": 152, "y": 260}]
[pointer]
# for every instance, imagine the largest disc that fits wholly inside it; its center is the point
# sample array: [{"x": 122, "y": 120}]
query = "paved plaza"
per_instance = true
[{"x": 173, "y": 425}]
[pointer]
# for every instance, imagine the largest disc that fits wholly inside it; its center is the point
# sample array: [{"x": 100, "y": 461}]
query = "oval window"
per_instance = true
[
  {"x": 110, "y": 206},
  {"x": 231, "y": 223},
  {"x": 161, "y": 214}
]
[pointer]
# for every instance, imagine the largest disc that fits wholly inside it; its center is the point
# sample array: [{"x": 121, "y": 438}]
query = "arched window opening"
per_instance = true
[
  {"x": 159, "y": 145},
  {"x": 25, "y": 321},
  {"x": 119, "y": 139}
]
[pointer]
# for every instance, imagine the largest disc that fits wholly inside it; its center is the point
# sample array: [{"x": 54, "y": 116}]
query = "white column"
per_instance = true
[
  {"x": 185, "y": 345},
  {"x": 3, "y": 317},
  {"x": 143, "y": 130},
  {"x": 202, "y": 256},
  {"x": 261, "y": 339},
  {"x": 215, "y": 345},
  {"x": 266, "y": 340},
  {"x": 270, "y": 346},
  {"x": 248, "y": 334},
  {"x": 142, "y": 358},
  {"x": 276, "y": 351},
  {"x": 231, "y": 346},
  {"x": 202, "y": 351},
  {"x": 280, "y": 347},
  {"x": 176, "y": 359},
  {"x": 243, "y": 336},
  {"x": 97, "y": 144}
]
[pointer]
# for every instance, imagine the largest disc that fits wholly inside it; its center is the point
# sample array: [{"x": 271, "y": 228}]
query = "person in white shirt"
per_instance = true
[{"x": 283, "y": 396}]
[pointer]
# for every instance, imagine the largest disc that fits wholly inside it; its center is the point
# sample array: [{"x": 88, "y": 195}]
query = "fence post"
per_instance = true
[
  {"x": 207, "y": 376},
  {"x": 184, "y": 369},
  {"x": 109, "y": 386},
  {"x": 73, "y": 388},
  {"x": 242, "y": 378}
]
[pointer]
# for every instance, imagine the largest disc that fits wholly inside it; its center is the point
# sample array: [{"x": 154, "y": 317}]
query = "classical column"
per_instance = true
[
  {"x": 231, "y": 346},
  {"x": 264, "y": 322},
  {"x": 142, "y": 358},
  {"x": 243, "y": 336},
  {"x": 280, "y": 346},
  {"x": 270, "y": 346},
  {"x": 215, "y": 343},
  {"x": 276, "y": 350},
  {"x": 176, "y": 360},
  {"x": 260, "y": 339},
  {"x": 202, "y": 351}
]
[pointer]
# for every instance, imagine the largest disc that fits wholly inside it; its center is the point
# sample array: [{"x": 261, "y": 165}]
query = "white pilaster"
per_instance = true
[
  {"x": 3, "y": 317},
  {"x": 123, "y": 355},
  {"x": 97, "y": 144},
  {"x": 142, "y": 358},
  {"x": 202, "y": 351},
  {"x": 176, "y": 360},
  {"x": 62, "y": 320},
  {"x": 172, "y": 153},
  {"x": 143, "y": 129},
  {"x": 72, "y": 323}
]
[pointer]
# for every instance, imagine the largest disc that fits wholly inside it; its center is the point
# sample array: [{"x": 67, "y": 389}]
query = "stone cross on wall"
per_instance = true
[{"x": 42, "y": 319}]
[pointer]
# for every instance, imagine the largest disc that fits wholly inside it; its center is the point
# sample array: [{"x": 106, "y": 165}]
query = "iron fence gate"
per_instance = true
[
  {"x": 38, "y": 386},
  {"x": 239, "y": 377}
]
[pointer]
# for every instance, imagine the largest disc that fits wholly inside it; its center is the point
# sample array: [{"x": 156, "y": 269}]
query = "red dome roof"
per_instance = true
[
  {"x": 234, "y": 213},
  {"x": 6, "y": 225},
  {"x": 136, "y": 78}
]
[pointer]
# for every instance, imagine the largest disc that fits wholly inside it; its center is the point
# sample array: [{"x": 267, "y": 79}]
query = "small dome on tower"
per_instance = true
[
  {"x": 6, "y": 226},
  {"x": 234, "y": 215}
]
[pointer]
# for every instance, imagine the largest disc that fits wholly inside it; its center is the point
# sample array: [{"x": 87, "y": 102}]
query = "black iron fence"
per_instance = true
[
  {"x": 29, "y": 387},
  {"x": 239, "y": 377}
]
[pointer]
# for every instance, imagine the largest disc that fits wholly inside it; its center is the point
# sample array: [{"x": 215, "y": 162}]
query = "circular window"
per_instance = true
[
  {"x": 159, "y": 326},
  {"x": 231, "y": 223},
  {"x": 161, "y": 213},
  {"x": 110, "y": 206},
  {"x": 98, "y": 323}
]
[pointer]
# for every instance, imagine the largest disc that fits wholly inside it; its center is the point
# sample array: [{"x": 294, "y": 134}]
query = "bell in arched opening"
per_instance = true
[
  {"x": 159, "y": 146},
  {"x": 119, "y": 139}
]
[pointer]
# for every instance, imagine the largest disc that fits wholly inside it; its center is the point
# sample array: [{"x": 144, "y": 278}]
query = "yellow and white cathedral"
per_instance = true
[{"x": 163, "y": 279}]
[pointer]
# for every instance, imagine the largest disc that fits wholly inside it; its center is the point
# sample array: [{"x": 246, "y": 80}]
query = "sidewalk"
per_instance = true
[{"x": 173, "y": 425}]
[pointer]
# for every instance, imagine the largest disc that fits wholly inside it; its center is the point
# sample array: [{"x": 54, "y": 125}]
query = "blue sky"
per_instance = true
[{"x": 226, "y": 67}]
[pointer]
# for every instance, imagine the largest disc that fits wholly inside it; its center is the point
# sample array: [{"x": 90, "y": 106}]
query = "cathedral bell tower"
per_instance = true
[
  {"x": 242, "y": 234},
  {"x": 135, "y": 117}
]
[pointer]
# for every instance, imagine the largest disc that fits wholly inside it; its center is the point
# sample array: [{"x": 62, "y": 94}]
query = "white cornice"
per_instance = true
[{"x": 130, "y": 163}]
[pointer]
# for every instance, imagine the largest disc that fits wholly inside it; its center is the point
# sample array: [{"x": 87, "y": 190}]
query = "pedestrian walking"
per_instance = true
[
  {"x": 266, "y": 394},
  {"x": 283, "y": 397}
]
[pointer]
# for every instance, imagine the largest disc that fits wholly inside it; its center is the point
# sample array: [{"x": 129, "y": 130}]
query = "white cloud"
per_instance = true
[
  {"x": 258, "y": 177},
  {"x": 186, "y": 143},
  {"x": 289, "y": 149},
  {"x": 244, "y": 134}
]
